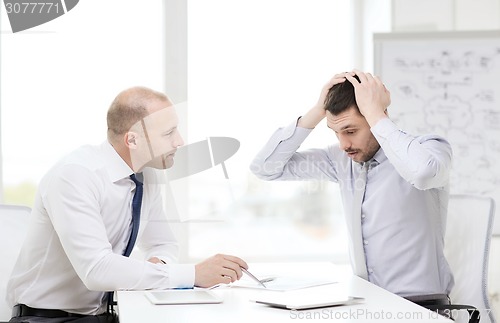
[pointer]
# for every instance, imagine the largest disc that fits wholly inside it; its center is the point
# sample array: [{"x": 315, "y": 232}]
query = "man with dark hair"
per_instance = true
[
  {"x": 394, "y": 186},
  {"x": 90, "y": 209}
]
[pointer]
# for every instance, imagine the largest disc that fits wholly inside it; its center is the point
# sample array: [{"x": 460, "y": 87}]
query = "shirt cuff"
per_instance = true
[
  {"x": 282, "y": 136},
  {"x": 181, "y": 276},
  {"x": 293, "y": 130}
]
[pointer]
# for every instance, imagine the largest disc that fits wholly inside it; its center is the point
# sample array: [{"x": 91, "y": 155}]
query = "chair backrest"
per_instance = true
[
  {"x": 13, "y": 228},
  {"x": 467, "y": 246}
]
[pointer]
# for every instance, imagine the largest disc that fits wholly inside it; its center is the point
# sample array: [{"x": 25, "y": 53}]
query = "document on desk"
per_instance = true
[{"x": 282, "y": 283}]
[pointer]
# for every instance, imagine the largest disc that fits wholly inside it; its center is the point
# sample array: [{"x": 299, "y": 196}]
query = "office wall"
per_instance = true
[
  {"x": 454, "y": 15},
  {"x": 442, "y": 15}
]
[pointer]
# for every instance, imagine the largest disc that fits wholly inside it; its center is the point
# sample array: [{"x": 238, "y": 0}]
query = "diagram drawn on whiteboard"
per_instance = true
[{"x": 449, "y": 87}]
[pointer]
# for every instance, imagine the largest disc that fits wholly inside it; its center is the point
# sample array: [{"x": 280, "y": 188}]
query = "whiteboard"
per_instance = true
[{"x": 448, "y": 83}]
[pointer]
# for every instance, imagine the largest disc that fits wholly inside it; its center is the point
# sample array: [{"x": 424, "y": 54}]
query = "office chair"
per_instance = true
[
  {"x": 13, "y": 228},
  {"x": 467, "y": 246}
]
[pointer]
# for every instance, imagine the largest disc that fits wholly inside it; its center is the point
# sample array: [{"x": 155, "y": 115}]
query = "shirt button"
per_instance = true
[
  {"x": 370, "y": 271},
  {"x": 363, "y": 216},
  {"x": 365, "y": 242}
]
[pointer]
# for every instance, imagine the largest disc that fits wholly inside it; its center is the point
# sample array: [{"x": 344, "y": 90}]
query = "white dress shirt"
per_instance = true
[
  {"x": 402, "y": 223},
  {"x": 79, "y": 228}
]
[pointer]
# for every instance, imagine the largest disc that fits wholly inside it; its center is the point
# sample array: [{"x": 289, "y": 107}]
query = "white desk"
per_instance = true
[{"x": 379, "y": 306}]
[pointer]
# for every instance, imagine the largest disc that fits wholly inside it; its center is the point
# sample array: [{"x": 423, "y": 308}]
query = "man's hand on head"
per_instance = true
[
  {"x": 336, "y": 79},
  {"x": 372, "y": 96},
  {"x": 318, "y": 112}
]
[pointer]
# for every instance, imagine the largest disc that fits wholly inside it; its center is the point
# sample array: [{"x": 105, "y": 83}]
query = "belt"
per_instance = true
[
  {"x": 430, "y": 300},
  {"x": 24, "y": 310}
]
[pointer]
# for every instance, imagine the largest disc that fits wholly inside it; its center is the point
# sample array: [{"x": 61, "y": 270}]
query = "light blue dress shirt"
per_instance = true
[{"x": 402, "y": 219}]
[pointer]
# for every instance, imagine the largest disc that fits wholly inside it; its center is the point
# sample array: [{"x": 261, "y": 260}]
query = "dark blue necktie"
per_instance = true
[
  {"x": 136, "y": 217},
  {"x": 136, "y": 212}
]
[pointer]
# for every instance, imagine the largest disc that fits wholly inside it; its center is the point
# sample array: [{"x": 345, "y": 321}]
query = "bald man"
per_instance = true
[{"x": 81, "y": 223}]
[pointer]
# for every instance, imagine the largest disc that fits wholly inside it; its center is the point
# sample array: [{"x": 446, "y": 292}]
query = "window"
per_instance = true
[
  {"x": 58, "y": 80},
  {"x": 255, "y": 66}
]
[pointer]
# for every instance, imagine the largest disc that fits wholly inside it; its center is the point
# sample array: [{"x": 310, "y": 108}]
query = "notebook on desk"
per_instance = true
[{"x": 301, "y": 302}]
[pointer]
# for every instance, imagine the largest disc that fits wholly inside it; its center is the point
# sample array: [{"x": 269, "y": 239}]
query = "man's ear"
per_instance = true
[{"x": 130, "y": 139}]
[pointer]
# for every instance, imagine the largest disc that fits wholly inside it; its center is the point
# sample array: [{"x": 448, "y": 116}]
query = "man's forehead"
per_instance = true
[
  {"x": 348, "y": 116},
  {"x": 160, "y": 120},
  {"x": 163, "y": 112}
]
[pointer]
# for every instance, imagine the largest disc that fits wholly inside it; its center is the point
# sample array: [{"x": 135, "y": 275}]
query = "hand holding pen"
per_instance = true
[
  {"x": 253, "y": 277},
  {"x": 219, "y": 269}
]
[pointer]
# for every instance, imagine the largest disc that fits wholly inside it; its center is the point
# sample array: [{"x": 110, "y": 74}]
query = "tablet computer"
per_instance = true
[
  {"x": 303, "y": 303},
  {"x": 182, "y": 296}
]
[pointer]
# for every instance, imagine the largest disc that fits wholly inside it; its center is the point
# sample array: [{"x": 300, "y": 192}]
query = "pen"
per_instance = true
[{"x": 253, "y": 277}]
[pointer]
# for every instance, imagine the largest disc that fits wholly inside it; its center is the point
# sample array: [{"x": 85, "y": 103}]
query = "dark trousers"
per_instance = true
[{"x": 23, "y": 313}]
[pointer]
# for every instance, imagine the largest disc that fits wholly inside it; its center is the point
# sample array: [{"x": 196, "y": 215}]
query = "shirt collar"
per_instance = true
[
  {"x": 116, "y": 167},
  {"x": 379, "y": 157}
]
